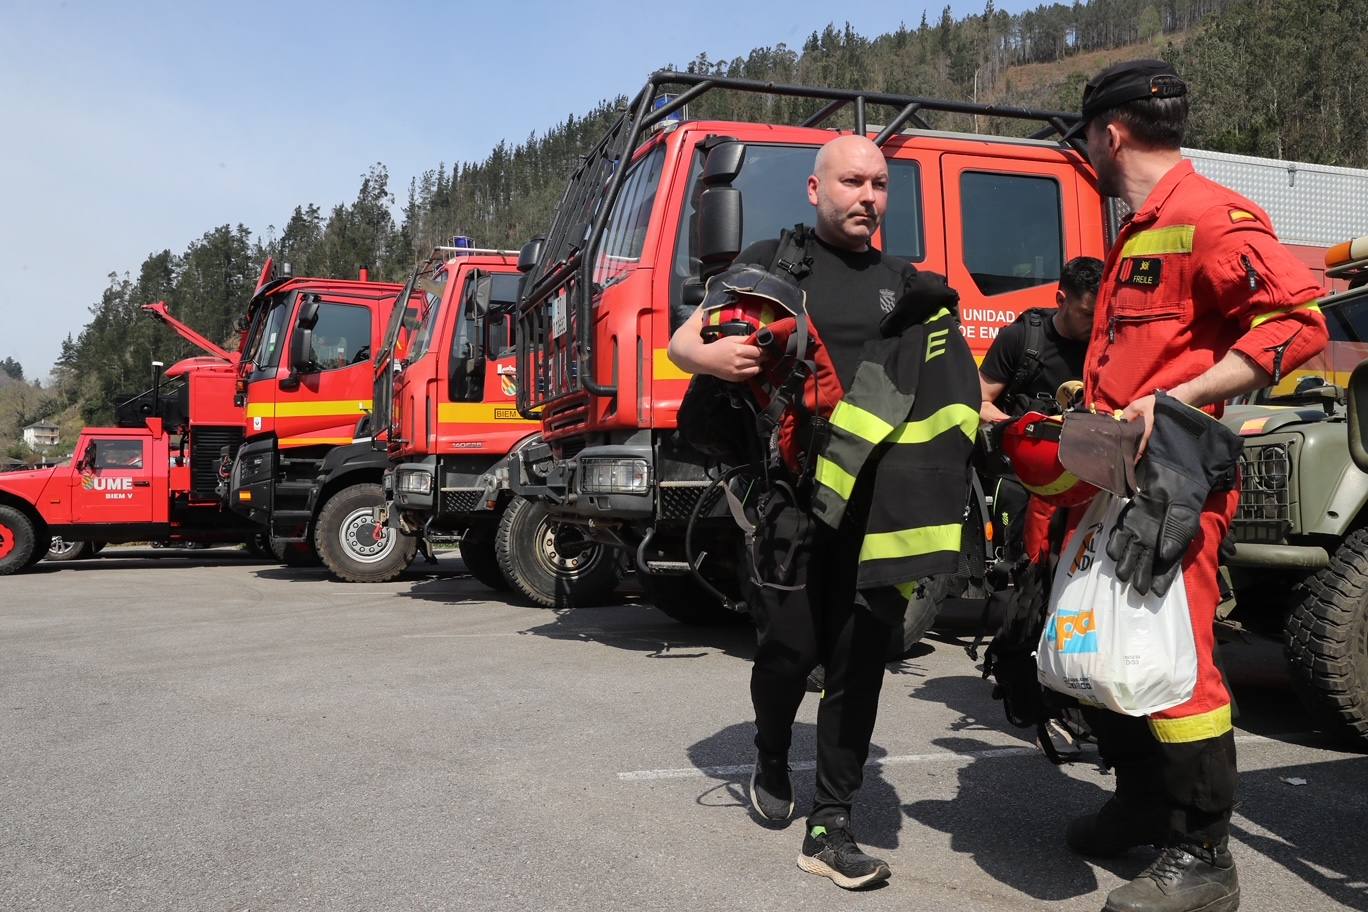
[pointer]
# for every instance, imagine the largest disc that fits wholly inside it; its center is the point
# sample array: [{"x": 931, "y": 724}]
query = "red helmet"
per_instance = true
[{"x": 1031, "y": 444}]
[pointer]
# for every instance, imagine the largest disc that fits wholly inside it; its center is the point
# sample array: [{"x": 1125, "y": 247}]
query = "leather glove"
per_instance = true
[{"x": 1189, "y": 453}]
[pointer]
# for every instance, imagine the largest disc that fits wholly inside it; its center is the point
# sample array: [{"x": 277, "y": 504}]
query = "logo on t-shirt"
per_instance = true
[{"x": 887, "y": 299}]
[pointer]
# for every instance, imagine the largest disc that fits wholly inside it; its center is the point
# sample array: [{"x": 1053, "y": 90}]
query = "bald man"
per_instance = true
[{"x": 850, "y": 285}]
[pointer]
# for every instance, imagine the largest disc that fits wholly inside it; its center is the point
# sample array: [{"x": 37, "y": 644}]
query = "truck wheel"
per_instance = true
[
  {"x": 480, "y": 558},
  {"x": 39, "y": 550},
  {"x": 680, "y": 598},
  {"x": 294, "y": 553},
  {"x": 17, "y": 541},
  {"x": 549, "y": 562},
  {"x": 353, "y": 546},
  {"x": 63, "y": 550},
  {"x": 1327, "y": 641}
]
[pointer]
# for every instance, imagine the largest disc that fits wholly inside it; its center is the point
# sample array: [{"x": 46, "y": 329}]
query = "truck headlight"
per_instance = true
[
  {"x": 614, "y": 476},
  {"x": 413, "y": 482}
]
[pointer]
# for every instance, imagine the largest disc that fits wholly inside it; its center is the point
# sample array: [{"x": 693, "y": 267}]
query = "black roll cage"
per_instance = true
[{"x": 577, "y": 227}]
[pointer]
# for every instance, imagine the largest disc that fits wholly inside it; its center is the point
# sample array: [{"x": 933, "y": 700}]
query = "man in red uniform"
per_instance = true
[{"x": 1199, "y": 302}]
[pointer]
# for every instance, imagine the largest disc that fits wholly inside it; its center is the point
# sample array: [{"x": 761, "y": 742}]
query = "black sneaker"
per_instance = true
[
  {"x": 1181, "y": 879},
  {"x": 771, "y": 791},
  {"x": 831, "y": 852}
]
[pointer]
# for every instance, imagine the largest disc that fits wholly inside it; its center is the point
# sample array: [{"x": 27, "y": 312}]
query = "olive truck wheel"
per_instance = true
[
  {"x": 1327, "y": 641},
  {"x": 549, "y": 564},
  {"x": 353, "y": 546},
  {"x": 479, "y": 557},
  {"x": 17, "y": 541},
  {"x": 63, "y": 550}
]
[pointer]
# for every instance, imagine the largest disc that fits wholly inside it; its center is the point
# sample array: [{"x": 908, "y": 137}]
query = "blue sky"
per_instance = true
[{"x": 135, "y": 127}]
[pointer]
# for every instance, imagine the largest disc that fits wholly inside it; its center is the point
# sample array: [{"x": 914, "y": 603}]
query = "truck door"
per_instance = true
[
  {"x": 113, "y": 484},
  {"x": 1010, "y": 225},
  {"x": 336, "y": 386}
]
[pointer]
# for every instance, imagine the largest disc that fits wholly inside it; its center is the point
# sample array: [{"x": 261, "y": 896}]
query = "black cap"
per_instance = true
[{"x": 1128, "y": 81}]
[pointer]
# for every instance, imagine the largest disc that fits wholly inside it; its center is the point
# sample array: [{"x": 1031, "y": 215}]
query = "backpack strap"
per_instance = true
[
  {"x": 1032, "y": 361},
  {"x": 790, "y": 255}
]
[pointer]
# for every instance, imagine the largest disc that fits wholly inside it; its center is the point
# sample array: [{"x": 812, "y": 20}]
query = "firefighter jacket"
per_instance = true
[
  {"x": 1195, "y": 273},
  {"x": 906, "y": 427}
]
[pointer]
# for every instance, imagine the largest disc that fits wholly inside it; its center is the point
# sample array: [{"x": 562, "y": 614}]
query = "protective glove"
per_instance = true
[{"x": 1189, "y": 452}]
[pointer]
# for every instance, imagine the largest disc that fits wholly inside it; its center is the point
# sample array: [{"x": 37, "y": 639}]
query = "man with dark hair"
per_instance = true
[
  {"x": 1030, "y": 358},
  {"x": 1199, "y": 302}
]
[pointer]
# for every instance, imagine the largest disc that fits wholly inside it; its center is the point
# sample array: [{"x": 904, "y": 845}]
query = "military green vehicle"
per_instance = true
[{"x": 1300, "y": 566}]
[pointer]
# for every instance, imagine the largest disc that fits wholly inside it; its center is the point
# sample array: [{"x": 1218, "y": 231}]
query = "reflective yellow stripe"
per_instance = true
[
  {"x": 1274, "y": 314},
  {"x": 287, "y": 442},
  {"x": 958, "y": 415},
  {"x": 664, "y": 369},
  {"x": 865, "y": 425},
  {"x": 1173, "y": 239},
  {"x": 906, "y": 590},
  {"x": 1061, "y": 484},
  {"x": 834, "y": 477},
  {"x": 479, "y": 413},
  {"x": 1201, "y": 727},
  {"x": 308, "y": 409},
  {"x": 911, "y": 542},
  {"x": 938, "y": 315}
]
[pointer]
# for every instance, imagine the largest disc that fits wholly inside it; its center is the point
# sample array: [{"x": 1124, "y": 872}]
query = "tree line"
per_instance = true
[{"x": 1269, "y": 78}]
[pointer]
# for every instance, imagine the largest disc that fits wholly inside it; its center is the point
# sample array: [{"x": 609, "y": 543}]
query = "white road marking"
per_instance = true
[{"x": 943, "y": 756}]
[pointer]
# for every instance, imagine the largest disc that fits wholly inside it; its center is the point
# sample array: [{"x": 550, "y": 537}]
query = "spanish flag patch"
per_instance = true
[{"x": 1239, "y": 215}]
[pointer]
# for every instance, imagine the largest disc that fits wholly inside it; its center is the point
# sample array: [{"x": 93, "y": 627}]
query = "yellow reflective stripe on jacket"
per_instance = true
[
  {"x": 911, "y": 542},
  {"x": 1274, "y": 314},
  {"x": 833, "y": 476},
  {"x": 1200, "y": 727},
  {"x": 1156, "y": 241},
  {"x": 938, "y": 315},
  {"x": 938, "y": 422},
  {"x": 865, "y": 425}
]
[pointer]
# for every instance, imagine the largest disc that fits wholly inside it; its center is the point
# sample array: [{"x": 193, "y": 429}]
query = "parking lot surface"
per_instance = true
[{"x": 197, "y": 731}]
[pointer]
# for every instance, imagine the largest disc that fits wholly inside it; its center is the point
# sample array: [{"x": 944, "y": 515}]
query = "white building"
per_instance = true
[{"x": 41, "y": 435}]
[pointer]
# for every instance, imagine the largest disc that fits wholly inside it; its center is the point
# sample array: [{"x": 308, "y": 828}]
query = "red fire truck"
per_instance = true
[
  {"x": 448, "y": 405},
  {"x": 153, "y": 477},
  {"x": 657, "y": 207},
  {"x": 304, "y": 382}
]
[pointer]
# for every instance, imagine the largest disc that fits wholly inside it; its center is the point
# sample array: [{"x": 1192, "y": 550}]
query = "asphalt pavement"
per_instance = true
[{"x": 199, "y": 731}]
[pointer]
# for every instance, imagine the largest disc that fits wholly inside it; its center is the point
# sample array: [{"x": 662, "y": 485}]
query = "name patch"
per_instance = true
[{"x": 1142, "y": 271}]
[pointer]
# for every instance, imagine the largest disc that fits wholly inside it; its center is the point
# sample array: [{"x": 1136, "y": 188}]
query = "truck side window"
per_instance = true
[
  {"x": 902, "y": 223},
  {"x": 341, "y": 336},
  {"x": 1013, "y": 233},
  {"x": 625, "y": 233},
  {"x": 119, "y": 454}
]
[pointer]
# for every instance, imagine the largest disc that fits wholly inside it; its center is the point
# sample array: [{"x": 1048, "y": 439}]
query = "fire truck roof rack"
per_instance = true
[{"x": 582, "y": 213}]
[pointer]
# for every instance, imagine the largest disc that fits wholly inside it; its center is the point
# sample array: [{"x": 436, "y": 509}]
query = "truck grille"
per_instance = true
[
  {"x": 1265, "y": 510},
  {"x": 206, "y": 445}
]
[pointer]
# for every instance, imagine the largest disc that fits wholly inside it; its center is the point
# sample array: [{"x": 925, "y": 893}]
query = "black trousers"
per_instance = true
[
  {"x": 1193, "y": 781},
  {"x": 823, "y": 621}
]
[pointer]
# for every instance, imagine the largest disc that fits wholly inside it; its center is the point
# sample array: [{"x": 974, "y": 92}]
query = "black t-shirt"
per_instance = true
[
  {"x": 847, "y": 294},
  {"x": 1060, "y": 358}
]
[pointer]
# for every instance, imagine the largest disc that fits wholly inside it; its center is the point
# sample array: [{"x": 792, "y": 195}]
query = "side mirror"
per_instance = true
[
  {"x": 1358, "y": 415},
  {"x": 301, "y": 343},
  {"x": 718, "y": 207},
  {"x": 87, "y": 461},
  {"x": 530, "y": 255}
]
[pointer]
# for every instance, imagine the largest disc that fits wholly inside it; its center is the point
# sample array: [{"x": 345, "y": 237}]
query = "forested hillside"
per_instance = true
[{"x": 1269, "y": 78}]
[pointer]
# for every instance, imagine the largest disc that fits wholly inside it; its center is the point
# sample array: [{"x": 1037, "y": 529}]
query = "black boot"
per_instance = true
[
  {"x": 1121, "y": 824},
  {"x": 1184, "y": 878}
]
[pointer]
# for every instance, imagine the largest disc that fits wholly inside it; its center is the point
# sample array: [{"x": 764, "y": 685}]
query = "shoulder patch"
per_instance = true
[{"x": 1240, "y": 215}]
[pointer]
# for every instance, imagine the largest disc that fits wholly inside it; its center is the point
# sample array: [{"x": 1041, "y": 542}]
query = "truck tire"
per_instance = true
[
  {"x": 63, "y": 550},
  {"x": 532, "y": 559},
  {"x": 345, "y": 538},
  {"x": 480, "y": 558},
  {"x": 17, "y": 541},
  {"x": 680, "y": 598},
  {"x": 40, "y": 550},
  {"x": 1327, "y": 642}
]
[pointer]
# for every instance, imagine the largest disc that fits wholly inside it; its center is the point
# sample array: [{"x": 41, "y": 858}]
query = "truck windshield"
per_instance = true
[
  {"x": 773, "y": 197},
  {"x": 267, "y": 337},
  {"x": 422, "y": 343}
]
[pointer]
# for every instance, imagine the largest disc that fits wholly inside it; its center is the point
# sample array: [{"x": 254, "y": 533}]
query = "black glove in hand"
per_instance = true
[{"x": 1189, "y": 452}]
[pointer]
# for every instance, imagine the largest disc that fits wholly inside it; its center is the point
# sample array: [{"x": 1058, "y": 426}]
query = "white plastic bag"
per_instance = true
[{"x": 1103, "y": 642}]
